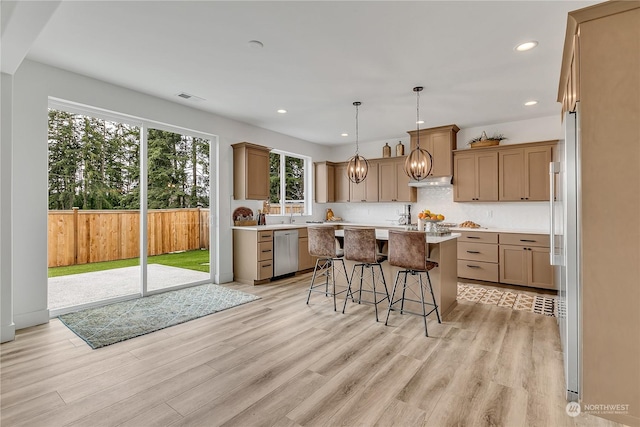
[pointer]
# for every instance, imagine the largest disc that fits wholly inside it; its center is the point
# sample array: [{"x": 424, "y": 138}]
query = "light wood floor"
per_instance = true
[{"x": 279, "y": 362}]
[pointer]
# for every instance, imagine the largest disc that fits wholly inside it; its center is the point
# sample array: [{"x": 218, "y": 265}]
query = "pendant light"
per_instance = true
[
  {"x": 358, "y": 166},
  {"x": 419, "y": 161}
]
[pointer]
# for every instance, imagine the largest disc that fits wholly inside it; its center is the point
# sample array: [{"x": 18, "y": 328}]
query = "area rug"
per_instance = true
[
  {"x": 121, "y": 321},
  {"x": 538, "y": 304}
]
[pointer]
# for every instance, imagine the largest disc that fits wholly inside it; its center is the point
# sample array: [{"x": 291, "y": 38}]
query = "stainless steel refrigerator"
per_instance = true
[{"x": 565, "y": 253}]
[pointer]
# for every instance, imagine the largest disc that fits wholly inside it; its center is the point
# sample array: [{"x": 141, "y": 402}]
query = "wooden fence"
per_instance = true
[{"x": 81, "y": 237}]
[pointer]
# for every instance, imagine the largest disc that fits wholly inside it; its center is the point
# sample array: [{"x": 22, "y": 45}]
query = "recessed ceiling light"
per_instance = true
[
  {"x": 344, "y": 134},
  {"x": 420, "y": 122},
  {"x": 530, "y": 103},
  {"x": 255, "y": 44},
  {"x": 526, "y": 46},
  {"x": 281, "y": 111}
]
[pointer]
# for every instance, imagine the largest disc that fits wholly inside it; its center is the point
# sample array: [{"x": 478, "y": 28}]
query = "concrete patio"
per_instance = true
[{"x": 78, "y": 289}]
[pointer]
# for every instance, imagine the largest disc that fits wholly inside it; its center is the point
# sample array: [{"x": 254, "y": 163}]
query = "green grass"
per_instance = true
[{"x": 191, "y": 260}]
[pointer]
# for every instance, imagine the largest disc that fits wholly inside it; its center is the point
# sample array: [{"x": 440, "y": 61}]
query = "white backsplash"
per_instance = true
[{"x": 507, "y": 215}]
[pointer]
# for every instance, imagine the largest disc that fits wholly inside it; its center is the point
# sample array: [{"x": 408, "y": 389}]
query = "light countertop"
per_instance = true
[
  {"x": 500, "y": 230},
  {"x": 380, "y": 227},
  {"x": 382, "y": 234}
]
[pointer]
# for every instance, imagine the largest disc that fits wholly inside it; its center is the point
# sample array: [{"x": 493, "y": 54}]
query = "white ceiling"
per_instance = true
[{"x": 319, "y": 57}]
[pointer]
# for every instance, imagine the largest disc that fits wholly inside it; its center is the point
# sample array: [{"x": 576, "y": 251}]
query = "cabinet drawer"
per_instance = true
[
  {"x": 302, "y": 232},
  {"x": 478, "y": 251},
  {"x": 265, "y": 236},
  {"x": 478, "y": 270},
  {"x": 538, "y": 240},
  {"x": 478, "y": 237},
  {"x": 265, "y": 251},
  {"x": 265, "y": 270}
]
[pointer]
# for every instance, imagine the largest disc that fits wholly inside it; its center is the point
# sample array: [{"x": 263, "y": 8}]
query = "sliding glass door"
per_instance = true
[
  {"x": 129, "y": 207},
  {"x": 177, "y": 209}
]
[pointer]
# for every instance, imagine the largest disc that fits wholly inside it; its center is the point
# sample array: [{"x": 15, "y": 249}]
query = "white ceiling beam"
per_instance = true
[{"x": 21, "y": 23}]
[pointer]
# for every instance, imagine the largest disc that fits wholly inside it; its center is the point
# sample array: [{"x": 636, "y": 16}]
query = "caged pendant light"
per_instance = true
[
  {"x": 419, "y": 161},
  {"x": 358, "y": 166}
]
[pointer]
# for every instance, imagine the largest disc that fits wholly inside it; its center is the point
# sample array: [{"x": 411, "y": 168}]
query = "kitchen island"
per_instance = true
[
  {"x": 444, "y": 278},
  {"x": 253, "y": 251}
]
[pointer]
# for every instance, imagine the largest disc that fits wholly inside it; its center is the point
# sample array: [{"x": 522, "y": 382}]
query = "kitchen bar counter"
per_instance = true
[{"x": 444, "y": 278}]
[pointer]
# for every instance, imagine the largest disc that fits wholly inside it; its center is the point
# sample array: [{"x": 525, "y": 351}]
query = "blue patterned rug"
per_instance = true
[{"x": 120, "y": 321}]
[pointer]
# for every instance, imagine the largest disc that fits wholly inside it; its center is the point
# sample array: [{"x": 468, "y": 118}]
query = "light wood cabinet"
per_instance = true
[
  {"x": 342, "y": 183},
  {"x": 394, "y": 182},
  {"x": 250, "y": 171},
  {"x": 305, "y": 260},
  {"x": 478, "y": 256},
  {"x": 517, "y": 172},
  {"x": 252, "y": 256},
  {"x": 475, "y": 176},
  {"x": 524, "y": 260},
  {"x": 523, "y": 173},
  {"x": 440, "y": 142},
  {"x": 604, "y": 79},
  {"x": 513, "y": 258},
  {"x": 367, "y": 190},
  {"x": 324, "y": 182}
]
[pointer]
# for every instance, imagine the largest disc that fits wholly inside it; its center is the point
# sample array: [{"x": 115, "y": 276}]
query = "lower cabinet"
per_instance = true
[
  {"x": 478, "y": 256},
  {"x": 305, "y": 261},
  {"x": 510, "y": 258},
  {"x": 524, "y": 260},
  {"x": 252, "y": 256},
  {"x": 528, "y": 266}
]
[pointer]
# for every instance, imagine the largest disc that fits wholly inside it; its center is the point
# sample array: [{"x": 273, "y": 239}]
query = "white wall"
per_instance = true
[
  {"x": 528, "y": 215},
  {"x": 33, "y": 84}
]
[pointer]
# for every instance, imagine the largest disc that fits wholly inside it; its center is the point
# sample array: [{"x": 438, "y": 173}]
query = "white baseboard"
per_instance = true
[
  {"x": 31, "y": 319},
  {"x": 8, "y": 333}
]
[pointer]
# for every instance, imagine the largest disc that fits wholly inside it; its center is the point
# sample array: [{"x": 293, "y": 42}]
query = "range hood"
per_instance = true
[{"x": 436, "y": 181}]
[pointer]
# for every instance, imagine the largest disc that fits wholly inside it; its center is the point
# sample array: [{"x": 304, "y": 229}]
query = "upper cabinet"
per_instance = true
[
  {"x": 324, "y": 182},
  {"x": 440, "y": 142},
  {"x": 394, "y": 182},
  {"x": 523, "y": 173},
  {"x": 367, "y": 190},
  {"x": 507, "y": 173},
  {"x": 341, "y": 183},
  {"x": 475, "y": 176},
  {"x": 250, "y": 171}
]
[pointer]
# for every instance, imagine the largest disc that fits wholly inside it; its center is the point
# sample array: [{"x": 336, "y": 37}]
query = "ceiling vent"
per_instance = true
[{"x": 185, "y": 95}]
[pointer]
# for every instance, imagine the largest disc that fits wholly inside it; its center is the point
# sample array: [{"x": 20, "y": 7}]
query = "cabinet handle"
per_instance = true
[
  {"x": 363, "y": 200},
  {"x": 472, "y": 237},
  {"x": 266, "y": 250},
  {"x": 473, "y": 266},
  {"x": 266, "y": 265},
  {"x": 266, "y": 235},
  {"x": 528, "y": 240},
  {"x": 473, "y": 252}
]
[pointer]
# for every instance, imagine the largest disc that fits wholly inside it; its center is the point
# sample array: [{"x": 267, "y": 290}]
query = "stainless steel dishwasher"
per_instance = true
[{"x": 285, "y": 252}]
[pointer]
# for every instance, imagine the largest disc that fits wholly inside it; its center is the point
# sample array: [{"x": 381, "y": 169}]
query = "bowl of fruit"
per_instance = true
[
  {"x": 427, "y": 215},
  {"x": 427, "y": 220}
]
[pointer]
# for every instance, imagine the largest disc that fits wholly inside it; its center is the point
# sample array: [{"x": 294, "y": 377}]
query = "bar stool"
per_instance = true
[
  {"x": 360, "y": 246},
  {"x": 323, "y": 246},
  {"x": 408, "y": 250}
]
